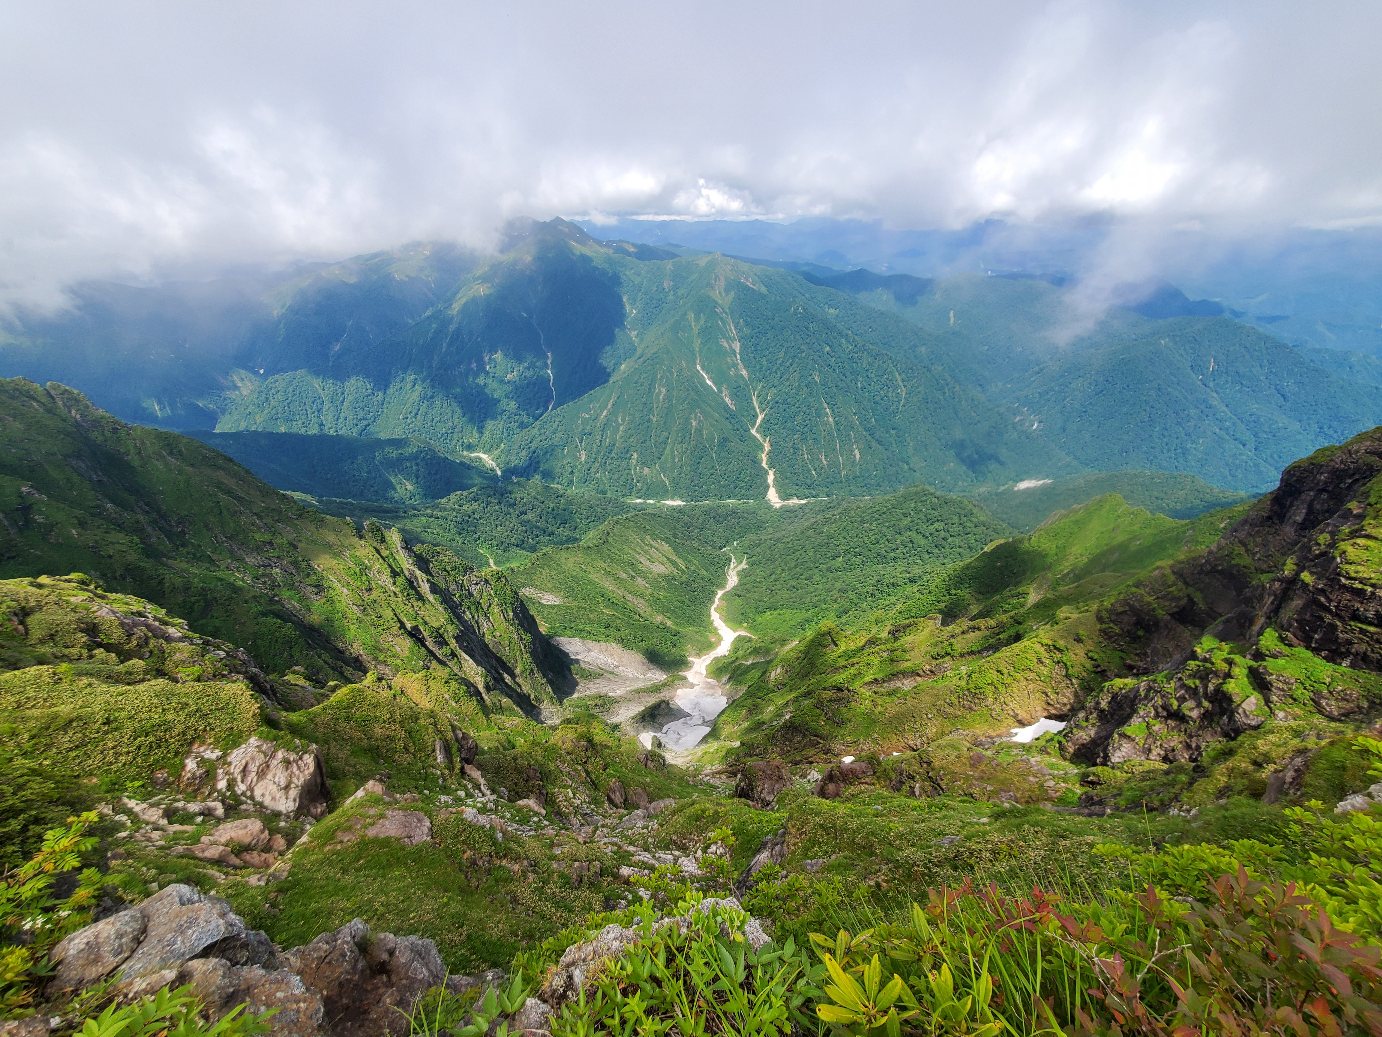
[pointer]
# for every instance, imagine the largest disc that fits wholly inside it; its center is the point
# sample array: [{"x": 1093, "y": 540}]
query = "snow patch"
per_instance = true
[{"x": 1033, "y": 731}]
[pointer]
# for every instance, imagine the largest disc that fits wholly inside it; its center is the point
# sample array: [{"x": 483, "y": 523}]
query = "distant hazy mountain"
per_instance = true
[{"x": 650, "y": 372}]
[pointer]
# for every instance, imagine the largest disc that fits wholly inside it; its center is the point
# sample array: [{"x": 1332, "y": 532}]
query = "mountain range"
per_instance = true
[
  {"x": 646, "y": 372},
  {"x": 339, "y": 665}
]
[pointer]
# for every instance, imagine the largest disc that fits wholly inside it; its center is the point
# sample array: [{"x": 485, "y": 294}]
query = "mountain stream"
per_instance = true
[{"x": 705, "y": 698}]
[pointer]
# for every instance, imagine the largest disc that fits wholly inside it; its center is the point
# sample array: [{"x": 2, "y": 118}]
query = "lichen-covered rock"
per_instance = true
[
  {"x": 1361, "y": 800},
  {"x": 92, "y": 953},
  {"x": 533, "y": 1019},
  {"x": 182, "y": 923},
  {"x": 278, "y": 779},
  {"x": 298, "y": 1012},
  {"x": 582, "y": 961},
  {"x": 410, "y": 827},
  {"x": 760, "y": 782},
  {"x": 349, "y": 982},
  {"x": 367, "y": 985}
]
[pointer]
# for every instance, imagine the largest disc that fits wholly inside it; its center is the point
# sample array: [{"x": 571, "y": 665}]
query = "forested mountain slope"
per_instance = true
[
  {"x": 1140, "y": 387},
  {"x": 642, "y": 372},
  {"x": 158, "y": 515}
]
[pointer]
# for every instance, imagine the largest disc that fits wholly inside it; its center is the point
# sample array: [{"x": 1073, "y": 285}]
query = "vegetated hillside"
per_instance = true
[
  {"x": 169, "y": 354},
  {"x": 158, "y": 515},
  {"x": 652, "y": 373},
  {"x": 982, "y": 645},
  {"x": 1117, "y": 389},
  {"x": 1211, "y": 397},
  {"x": 395, "y": 471},
  {"x": 494, "y": 524},
  {"x": 521, "y": 846},
  {"x": 1203, "y": 655},
  {"x": 631, "y": 372},
  {"x": 842, "y": 560},
  {"x": 1027, "y": 505},
  {"x": 644, "y": 580}
]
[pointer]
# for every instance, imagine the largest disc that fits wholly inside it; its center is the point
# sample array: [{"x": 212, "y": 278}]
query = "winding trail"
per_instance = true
[{"x": 705, "y": 699}]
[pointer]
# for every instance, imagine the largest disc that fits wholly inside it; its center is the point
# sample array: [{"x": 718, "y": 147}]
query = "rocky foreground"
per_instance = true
[{"x": 347, "y": 983}]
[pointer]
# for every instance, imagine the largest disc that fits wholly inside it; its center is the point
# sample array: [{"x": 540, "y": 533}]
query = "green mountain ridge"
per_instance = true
[
  {"x": 660, "y": 374},
  {"x": 166, "y": 518},
  {"x": 1223, "y": 666}
]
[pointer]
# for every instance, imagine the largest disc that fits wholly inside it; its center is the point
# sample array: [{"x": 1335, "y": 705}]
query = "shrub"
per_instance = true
[{"x": 1255, "y": 958}]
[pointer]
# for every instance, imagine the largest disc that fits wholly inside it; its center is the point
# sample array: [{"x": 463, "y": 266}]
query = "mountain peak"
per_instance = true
[{"x": 524, "y": 230}]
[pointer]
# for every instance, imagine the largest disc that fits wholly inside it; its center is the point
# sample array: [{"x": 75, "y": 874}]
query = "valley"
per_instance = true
[{"x": 588, "y": 606}]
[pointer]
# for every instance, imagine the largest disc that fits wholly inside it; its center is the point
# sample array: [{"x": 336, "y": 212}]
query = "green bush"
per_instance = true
[{"x": 1253, "y": 958}]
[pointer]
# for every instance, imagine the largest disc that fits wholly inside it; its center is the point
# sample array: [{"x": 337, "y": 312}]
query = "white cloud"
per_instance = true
[{"x": 141, "y": 134}]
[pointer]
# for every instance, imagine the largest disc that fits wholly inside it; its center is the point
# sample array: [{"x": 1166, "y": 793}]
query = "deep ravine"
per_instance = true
[{"x": 704, "y": 699}]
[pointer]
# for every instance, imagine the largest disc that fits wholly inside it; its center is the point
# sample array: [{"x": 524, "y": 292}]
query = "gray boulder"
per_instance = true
[
  {"x": 410, "y": 827},
  {"x": 91, "y": 954},
  {"x": 278, "y": 779}
]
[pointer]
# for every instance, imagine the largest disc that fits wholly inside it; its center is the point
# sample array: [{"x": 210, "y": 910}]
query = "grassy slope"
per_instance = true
[
  {"x": 1016, "y": 638},
  {"x": 644, "y": 580},
  {"x": 168, "y": 519},
  {"x": 1166, "y": 493}
]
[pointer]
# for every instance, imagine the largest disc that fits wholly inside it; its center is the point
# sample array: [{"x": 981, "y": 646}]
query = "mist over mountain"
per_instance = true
[{"x": 765, "y": 520}]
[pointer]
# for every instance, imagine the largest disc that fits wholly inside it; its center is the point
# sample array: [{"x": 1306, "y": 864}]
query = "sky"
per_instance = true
[{"x": 139, "y": 138}]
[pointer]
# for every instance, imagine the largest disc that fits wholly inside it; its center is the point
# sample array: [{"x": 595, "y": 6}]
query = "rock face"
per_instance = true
[
  {"x": 1171, "y": 719},
  {"x": 410, "y": 827},
  {"x": 278, "y": 779},
  {"x": 1305, "y": 561},
  {"x": 367, "y": 984},
  {"x": 221, "y": 986},
  {"x": 833, "y": 782},
  {"x": 761, "y": 781},
  {"x": 348, "y": 982}
]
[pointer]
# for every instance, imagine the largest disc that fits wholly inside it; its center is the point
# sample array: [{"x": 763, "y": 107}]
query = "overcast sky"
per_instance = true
[{"x": 143, "y": 135}]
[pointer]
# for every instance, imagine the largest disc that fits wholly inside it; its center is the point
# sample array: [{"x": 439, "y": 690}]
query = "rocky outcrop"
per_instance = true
[
  {"x": 367, "y": 983},
  {"x": 350, "y": 982},
  {"x": 1170, "y": 719},
  {"x": 282, "y": 780},
  {"x": 761, "y": 781},
  {"x": 833, "y": 782},
  {"x": 1291, "y": 563},
  {"x": 1305, "y": 562}
]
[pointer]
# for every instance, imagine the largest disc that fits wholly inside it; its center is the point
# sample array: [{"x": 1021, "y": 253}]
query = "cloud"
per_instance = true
[{"x": 143, "y": 136}]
